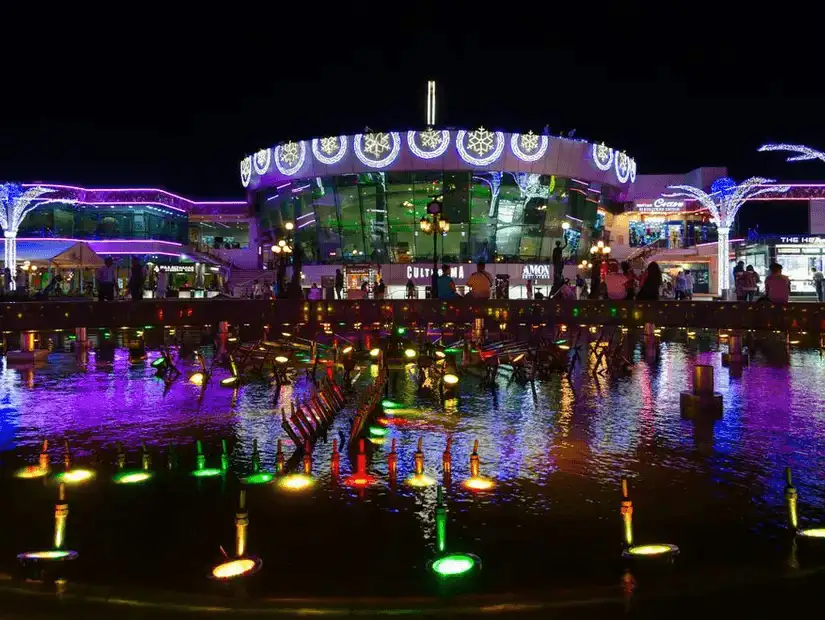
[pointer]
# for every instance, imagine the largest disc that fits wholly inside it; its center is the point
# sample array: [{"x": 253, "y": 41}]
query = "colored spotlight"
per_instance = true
[
  {"x": 816, "y": 532},
  {"x": 347, "y": 349},
  {"x": 420, "y": 480},
  {"x": 375, "y": 352},
  {"x": 32, "y": 471},
  {"x": 478, "y": 483},
  {"x": 410, "y": 353},
  {"x": 262, "y": 477},
  {"x": 207, "y": 472},
  {"x": 360, "y": 480},
  {"x": 75, "y": 476},
  {"x": 296, "y": 482},
  {"x": 229, "y": 381},
  {"x": 281, "y": 359},
  {"x": 158, "y": 362},
  {"x": 440, "y": 355},
  {"x": 450, "y": 379},
  {"x": 388, "y": 404},
  {"x": 197, "y": 378},
  {"x": 131, "y": 477},
  {"x": 651, "y": 551},
  {"x": 378, "y": 431},
  {"x": 236, "y": 568},
  {"x": 454, "y": 565},
  {"x": 53, "y": 555}
]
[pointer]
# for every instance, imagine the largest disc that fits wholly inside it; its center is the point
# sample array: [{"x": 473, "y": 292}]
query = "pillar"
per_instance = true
[{"x": 27, "y": 341}]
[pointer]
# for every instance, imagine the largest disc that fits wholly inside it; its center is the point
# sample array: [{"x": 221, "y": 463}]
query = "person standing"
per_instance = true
[
  {"x": 106, "y": 282},
  {"x": 445, "y": 284},
  {"x": 649, "y": 291},
  {"x": 162, "y": 283},
  {"x": 630, "y": 280},
  {"x": 750, "y": 283},
  {"x": 680, "y": 286},
  {"x": 558, "y": 261},
  {"x": 481, "y": 282},
  {"x": 410, "y": 288},
  {"x": 339, "y": 283},
  {"x": 615, "y": 282},
  {"x": 816, "y": 276},
  {"x": 137, "y": 279},
  {"x": 380, "y": 289},
  {"x": 688, "y": 284},
  {"x": 581, "y": 287}
]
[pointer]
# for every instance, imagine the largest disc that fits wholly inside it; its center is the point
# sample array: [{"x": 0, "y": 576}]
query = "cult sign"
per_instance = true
[
  {"x": 660, "y": 205},
  {"x": 417, "y": 273}
]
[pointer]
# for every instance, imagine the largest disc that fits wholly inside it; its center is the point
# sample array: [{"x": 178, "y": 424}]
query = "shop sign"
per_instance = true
[
  {"x": 426, "y": 273},
  {"x": 176, "y": 268},
  {"x": 660, "y": 205},
  {"x": 536, "y": 272},
  {"x": 802, "y": 240}
]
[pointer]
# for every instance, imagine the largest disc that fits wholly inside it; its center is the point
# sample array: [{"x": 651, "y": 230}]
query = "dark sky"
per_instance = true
[{"x": 143, "y": 95}]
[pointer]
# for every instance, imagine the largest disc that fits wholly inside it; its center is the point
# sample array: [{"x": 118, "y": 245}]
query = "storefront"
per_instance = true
[
  {"x": 699, "y": 270},
  {"x": 677, "y": 222},
  {"x": 798, "y": 255}
]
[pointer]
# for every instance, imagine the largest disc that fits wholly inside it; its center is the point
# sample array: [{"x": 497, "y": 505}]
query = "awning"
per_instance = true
[{"x": 57, "y": 253}]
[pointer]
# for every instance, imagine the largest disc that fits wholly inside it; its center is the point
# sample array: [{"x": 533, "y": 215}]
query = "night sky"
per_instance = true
[{"x": 155, "y": 98}]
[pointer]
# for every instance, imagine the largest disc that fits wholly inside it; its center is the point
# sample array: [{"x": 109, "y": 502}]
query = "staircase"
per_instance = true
[
  {"x": 640, "y": 255},
  {"x": 241, "y": 280}
]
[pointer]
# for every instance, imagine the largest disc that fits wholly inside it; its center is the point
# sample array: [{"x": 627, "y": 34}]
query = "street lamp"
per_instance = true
[
  {"x": 598, "y": 253},
  {"x": 438, "y": 225},
  {"x": 282, "y": 250}
]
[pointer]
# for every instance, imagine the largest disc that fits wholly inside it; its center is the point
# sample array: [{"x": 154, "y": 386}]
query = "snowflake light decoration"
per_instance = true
[
  {"x": 261, "y": 161},
  {"x": 528, "y": 146},
  {"x": 602, "y": 156},
  {"x": 632, "y": 170},
  {"x": 432, "y": 143},
  {"x": 622, "y": 167},
  {"x": 246, "y": 171},
  {"x": 369, "y": 148},
  {"x": 486, "y": 145},
  {"x": 289, "y": 157},
  {"x": 330, "y": 150}
]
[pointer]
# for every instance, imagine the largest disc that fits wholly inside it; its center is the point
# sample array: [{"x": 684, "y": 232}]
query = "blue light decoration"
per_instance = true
[
  {"x": 261, "y": 161},
  {"x": 724, "y": 186},
  {"x": 370, "y": 148},
  {"x": 528, "y": 146},
  {"x": 622, "y": 164},
  {"x": 602, "y": 156},
  {"x": 246, "y": 171},
  {"x": 632, "y": 170},
  {"x": 487, "y": 145},
  {"x": 329, "y": 150},
  {"x": 432, "y": 143},
  {"x": 289, "y": 157}
]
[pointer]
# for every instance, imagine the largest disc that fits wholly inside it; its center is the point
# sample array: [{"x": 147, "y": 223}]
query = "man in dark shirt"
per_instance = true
[{"x": 558, "y": 261}]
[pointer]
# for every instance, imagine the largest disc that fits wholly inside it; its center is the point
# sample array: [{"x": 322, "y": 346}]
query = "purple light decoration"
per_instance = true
[
  {"x": 333, "y": 158},
  {"x": 432, "y": 154},
  {"x": 528, "y": 157},
  {"x": 179, "y": 245},
  {"x": 479, "y": 161}
]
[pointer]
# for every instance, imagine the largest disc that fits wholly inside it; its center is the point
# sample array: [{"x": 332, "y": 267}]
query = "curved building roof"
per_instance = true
[{"x": 438, "y": 149}]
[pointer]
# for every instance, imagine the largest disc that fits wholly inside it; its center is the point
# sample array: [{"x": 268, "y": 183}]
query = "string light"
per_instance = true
[
  {"x": 528, "y": 146},
  {"x": 602, "y": 156},
  {"x": 261, "y": 161},
  {"x": 376, "y": 144},
  {"x": 434, "y": 143},
  {"x": 289, "y": 157},
  {"x": 723, "y": 204},
  {"x": 329, "y": 150},
  {"x": 16, "y": 202},
  {"x": 622, "y": 167},
  {"x": 246, "y": 171},
  {"x": 805, "y": 153},
  {"x": 481, "y": 141}
]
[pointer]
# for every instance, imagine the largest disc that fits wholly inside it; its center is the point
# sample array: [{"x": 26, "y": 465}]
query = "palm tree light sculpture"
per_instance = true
[{"x": 723, "y": 203}]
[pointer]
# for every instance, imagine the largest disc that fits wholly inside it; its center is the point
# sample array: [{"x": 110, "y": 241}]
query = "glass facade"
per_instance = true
[
  {"x": 374, "y": 217},
  {"x": 119, "y": 221}
]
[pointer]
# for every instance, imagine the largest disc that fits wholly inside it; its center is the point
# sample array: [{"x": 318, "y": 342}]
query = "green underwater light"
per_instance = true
[
  {"x": 388, "y": 404},
  {"x": 207, "y": 472},
  {"x": 454, "y": 565},
  {"x": 262, "y": 477},
  {"x": 132, "y": 477}
]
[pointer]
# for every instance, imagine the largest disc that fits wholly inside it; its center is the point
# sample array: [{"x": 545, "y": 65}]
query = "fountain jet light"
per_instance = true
[
  {"x": 57, "y": 553},
  {"x": 476, "y": 482},
  {"x": 16, "y": 202},
  {"x": 449, "y": 565},
  {"x": 723, "y": 203},
  {"x": 631, "y": 551},
  {"x": 814, "y": 533},
  {"x": 242, "y": 565}
]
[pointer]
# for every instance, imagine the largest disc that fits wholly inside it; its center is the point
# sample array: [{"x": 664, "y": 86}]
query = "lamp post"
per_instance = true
[
  {"x": 282, "y": 250},
  {"x": 438, "y": 225},
  {"x": 598, "y": 253}
]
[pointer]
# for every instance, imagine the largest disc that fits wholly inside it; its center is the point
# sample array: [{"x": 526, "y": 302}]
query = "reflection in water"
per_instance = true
[{"x": 556, "y": 456}]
